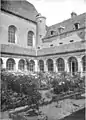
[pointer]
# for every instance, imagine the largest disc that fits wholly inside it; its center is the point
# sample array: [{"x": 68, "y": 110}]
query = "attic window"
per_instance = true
[
  {"x": 71, "y": 40},
  {"x": 40, "y": 36},
  {"x": 76, "y": 26},
  {"x": 60, "y": 29},
  {"x": 40, "y": 21},
  {"x": 52, "y": 32},
  {"x": 38, "y": 47},
  {"x": 60, "y": 43},
  {"x": 51, "y": 45}
]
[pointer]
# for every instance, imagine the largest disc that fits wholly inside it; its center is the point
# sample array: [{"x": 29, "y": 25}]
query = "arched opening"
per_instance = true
[
  {"x": 31, "y": 66},
  {"x": 21, "y": 65},
  {"x": 41, "y": 65},
  {"x": 50, "y": 65},
  {"x": 10, "y": 64},
  {"x": 12, "y": 34},
  {"x": 73, "y": 65},
  {"x": 60, "y": 65},
  {"x": 1, "y": 63},
  {"x": 30, "y": 38},
  {"x": 84, "y": 63}
]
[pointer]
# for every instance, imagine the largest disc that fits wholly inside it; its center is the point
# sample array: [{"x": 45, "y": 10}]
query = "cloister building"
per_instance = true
[{"x": 28, "y": 44}]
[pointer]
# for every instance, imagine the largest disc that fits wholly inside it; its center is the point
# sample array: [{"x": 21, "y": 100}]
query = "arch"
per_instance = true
[
  {"x": 84, "y": 63},
  {"x": 50, "y": 65},
  {"x": 1, "y": 63},
  {"x": 21, "y": 64},
  {"x": 12, "y": 33},
  {"x": 41, "y": 65},
  {"x": 31, "y": 66},
  {"x": 60, "y": 64},
  {"x": 73, "y": 65},
  {"x": 30, "y": 38},
  {"x": 10, "y": 64}
]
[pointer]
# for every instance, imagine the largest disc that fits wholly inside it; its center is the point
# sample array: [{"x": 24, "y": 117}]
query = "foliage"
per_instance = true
[
  {"x": 66, "y": 82},
  {"x": 18, "y": 90}
]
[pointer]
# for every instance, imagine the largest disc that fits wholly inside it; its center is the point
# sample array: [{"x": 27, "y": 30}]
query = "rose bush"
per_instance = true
[{"x": 18, "y": 90}]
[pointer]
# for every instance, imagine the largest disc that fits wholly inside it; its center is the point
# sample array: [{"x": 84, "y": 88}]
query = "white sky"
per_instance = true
[{"x": 56, "y": 11}]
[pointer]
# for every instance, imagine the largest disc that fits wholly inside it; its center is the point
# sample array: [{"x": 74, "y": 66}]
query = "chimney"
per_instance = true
[{"x": 73, "y": 14}]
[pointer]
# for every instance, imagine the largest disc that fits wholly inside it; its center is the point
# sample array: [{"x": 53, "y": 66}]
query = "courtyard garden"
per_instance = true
[{"x": 40, "y": 94}]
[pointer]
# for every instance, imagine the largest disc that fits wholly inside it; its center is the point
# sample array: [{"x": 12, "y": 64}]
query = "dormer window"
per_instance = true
[
  {"x": 60, "y": 43},
  {"x": 38, "y": 47},
  {"x": 40, "y": 21},
  {"x": 60, "y": 29},
  {"x": 71, "y": 40},
  {"x": 76, "y": 26},
  {"x": 52, "y": 32},
  {"x": 51, "y": 45}
]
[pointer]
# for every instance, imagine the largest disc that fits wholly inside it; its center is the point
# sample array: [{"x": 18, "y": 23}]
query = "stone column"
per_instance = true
[
  {"x": 16, "y": 63},
  {"x": 45, "y": 66},
  {"x": 55, "y": 66},
  {"x": 36, "y": 65},
  {"x": 4, "y": 62},
  {"x": 66, "y": 66},
  {"x": 80, "y": 67},
  {"x": 25, "y": 68}
]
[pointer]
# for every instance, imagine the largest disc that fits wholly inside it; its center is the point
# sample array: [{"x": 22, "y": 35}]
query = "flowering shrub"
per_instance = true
[
  {"x": 18, "y": 90},
  {"x": 65, "y": 82}
]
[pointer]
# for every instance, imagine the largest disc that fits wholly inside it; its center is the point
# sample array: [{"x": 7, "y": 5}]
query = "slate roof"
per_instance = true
[
  {"x": 20, "y": 7},
  {"x": 77, "y": 46},
  {"x": 67, "y": 24},
  {"x": 17, "y": 50}
]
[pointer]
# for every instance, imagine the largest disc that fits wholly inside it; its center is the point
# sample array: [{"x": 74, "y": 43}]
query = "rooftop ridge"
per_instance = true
[{"x": 67, "y": 20}]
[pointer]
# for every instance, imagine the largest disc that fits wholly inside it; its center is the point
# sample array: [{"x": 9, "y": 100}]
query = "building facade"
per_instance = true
[{"x": 28, "y": 44}]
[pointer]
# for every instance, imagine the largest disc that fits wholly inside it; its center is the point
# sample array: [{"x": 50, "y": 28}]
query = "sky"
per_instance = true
[{"x": 57, "y": 11}]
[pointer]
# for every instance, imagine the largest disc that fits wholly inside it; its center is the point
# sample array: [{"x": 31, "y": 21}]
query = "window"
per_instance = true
[
  {"x": 60, "y": 29},
  {"x": 10, "y": 64},
  {"x": 31, "y": 65},
  {"x": 60, "y": 43},
  {"x": 76, "y": 26},
  {"x": 52, "y": 32},
  {"x": 21, "y": 65},
  {"x": 11, "y": 34},
  {"x": 41, "y": 65},
  {"x": 30, "y": 38},
  {"x": 73, "y": 65},
  {"x": 40, "y": 36},
  {"x": 50, "y": 65},
  {"x": 71, "y": 40},
  {"x": 40, "y": 21},
  {"x": 60, "y": 65},
  {"x": 84, "y": 63},
  {"x": 51, "y": 45},
  {"x": 38, "y": 47}
]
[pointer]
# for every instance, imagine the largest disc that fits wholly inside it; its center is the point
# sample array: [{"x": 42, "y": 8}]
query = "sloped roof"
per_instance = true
[
  {"x": 16, "y": 50},
  {"x": 20, "y": 7},
  {"x": 77, "y": 46},
  {"x": 67, "y": 24}
]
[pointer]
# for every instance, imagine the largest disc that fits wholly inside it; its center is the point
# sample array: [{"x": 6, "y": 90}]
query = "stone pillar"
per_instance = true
[
  {"x": 45, "y": 66},
  {"x": 36, "y": 65},
  {"x": 55, "y": 66},
  {"x": 16, "y": 63},
  {"x": 4, "y": 62},
  {"x": 25, "y": 68},
  {"x": 66, "y": 66},
  {"x": 80, "y": 67}
]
